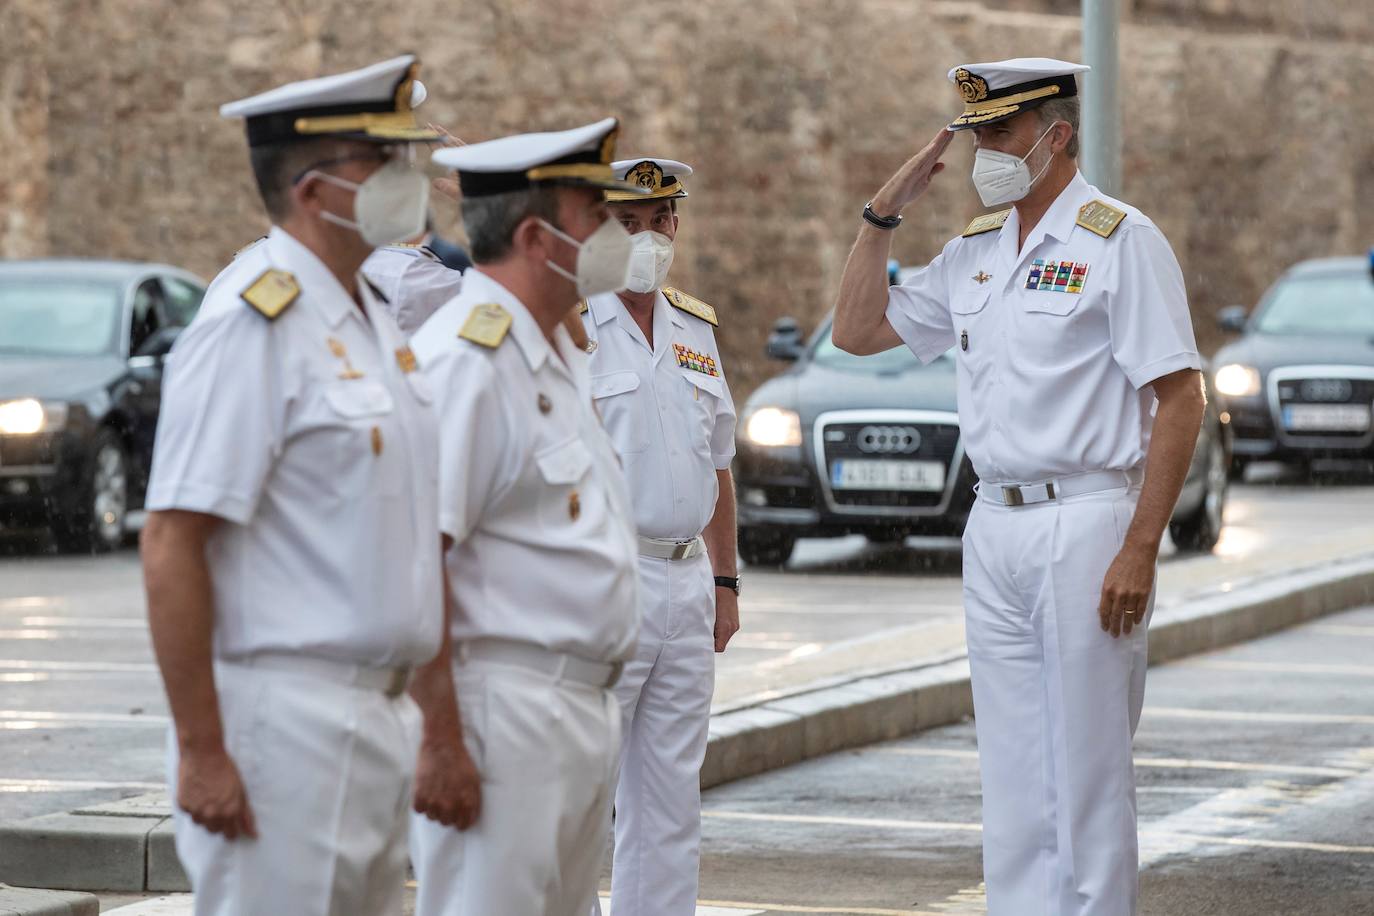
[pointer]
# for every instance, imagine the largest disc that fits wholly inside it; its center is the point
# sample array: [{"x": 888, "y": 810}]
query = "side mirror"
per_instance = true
[
  {"x": 1232, "y": 319},
  {"x": 158, "y": 344},
  {"x": 785, "y": 342}
]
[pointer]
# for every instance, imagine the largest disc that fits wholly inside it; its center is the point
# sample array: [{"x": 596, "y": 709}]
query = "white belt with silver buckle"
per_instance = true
[
  {"x": 558, "y": 665},
  {"x": 668, "y": 549},
  {"x": 1028, "y": 494},
  {"x": 390, "y": 681}
]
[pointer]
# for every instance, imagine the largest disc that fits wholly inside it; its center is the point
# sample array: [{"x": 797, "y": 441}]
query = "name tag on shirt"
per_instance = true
[{"x": 1057, "y": 276}]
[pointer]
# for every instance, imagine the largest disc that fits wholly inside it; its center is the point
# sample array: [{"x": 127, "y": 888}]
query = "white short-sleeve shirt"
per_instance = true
[
  {"x": 668, "y": 410},
  {"x": 1053, "y": 376},
  {"x": 530, "y": 490},
  {"x": 413, "y": 283},
  {"x": 313, "y": 442}
]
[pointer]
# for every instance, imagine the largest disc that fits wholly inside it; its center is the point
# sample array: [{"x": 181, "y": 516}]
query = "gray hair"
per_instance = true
[
  {"x": 491, "y": 220},
  {"x": 1062, "y": 110}
]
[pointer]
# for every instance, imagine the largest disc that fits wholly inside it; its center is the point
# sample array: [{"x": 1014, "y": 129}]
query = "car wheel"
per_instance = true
[
  {"x": 93, "y": 522},
  {"x": 765, "y": 546},
  {"x": 1200, "y": 530}
]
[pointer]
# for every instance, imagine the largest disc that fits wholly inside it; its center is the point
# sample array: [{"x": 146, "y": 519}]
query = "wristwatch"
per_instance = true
[
  {"x": 882, "y": 222},
  {"x": 730, "y": 582}
]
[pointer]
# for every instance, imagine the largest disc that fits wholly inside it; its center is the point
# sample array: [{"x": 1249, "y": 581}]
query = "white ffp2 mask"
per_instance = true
[
  {"x": 603, "y": 258},
  {"x": 1002, "y": 178},
  {"x": 389, "y": 206},
  {"x": 650, "y": 257}
]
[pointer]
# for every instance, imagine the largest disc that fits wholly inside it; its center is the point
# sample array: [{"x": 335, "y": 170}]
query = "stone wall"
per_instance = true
[{"x": 1246, "y": 124}]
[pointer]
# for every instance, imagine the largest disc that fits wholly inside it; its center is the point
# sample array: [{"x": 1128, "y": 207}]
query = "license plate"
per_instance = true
[
  {"x": 866, "y": 474},
  {"x": 1336, "y": 418}
]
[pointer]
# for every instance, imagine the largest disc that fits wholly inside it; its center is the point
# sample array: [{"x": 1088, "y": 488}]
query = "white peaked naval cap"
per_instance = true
[
  {"x": 580, "y": 157},
  {"x": 996, "y": 91}
]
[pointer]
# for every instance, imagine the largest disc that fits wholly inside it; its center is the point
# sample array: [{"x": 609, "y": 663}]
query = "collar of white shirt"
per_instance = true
[
  {"x": 324, "y": 291},
  {"x": 1057, "y": 223},
  {"x": 534, "y": 346}
]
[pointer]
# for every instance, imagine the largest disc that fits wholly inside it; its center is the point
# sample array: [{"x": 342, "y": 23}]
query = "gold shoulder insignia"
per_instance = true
[
  {"x": 1099, "y": 217},
  {"x": 487, "y": 325},
  {"x": 272, "y": 293},
  {"x": 582, "y": 306},
  {"x": 987, "y": 223},
  {"x": 691, "y": 305},
  {"x": 249, "y": 246}
]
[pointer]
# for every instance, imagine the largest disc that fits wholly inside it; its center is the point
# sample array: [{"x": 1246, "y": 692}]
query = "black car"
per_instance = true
[
  {"x": 841, "y": 444},
  {"x": 1299, "y": 383},
  {"x": 81, "y": 350}
]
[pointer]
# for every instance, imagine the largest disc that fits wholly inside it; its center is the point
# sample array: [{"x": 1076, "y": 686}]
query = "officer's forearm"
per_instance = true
[
  {"x": 1174, "y": 437},
  {"x": 720, "y": 531},
  {"x": 861, "y": 325},
  {"x": 432, "y": 685},
  {"x": 181, "y": 619}
]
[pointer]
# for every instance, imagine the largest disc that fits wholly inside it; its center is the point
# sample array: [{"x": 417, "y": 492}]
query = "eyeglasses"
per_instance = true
[{"x": 382, "y": 154}]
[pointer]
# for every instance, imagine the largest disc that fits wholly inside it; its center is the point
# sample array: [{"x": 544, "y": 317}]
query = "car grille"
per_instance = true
[
  {"x": 897, "y": 435},
  {"x": 1303, "y": 386}
]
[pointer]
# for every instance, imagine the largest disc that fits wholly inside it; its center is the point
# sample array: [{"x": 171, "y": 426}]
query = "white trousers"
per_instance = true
[
  {"x": 327, "y": 769},
  {"x": 665, "y": 698},
  {"x": 1056, "y": 702},
  {"x": 547, "y": 751}
]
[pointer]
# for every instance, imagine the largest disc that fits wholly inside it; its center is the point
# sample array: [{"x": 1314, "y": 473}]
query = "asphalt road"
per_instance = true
[
  {"x": 1256, "y": 774},
  {"x": 82, "y": 715}
]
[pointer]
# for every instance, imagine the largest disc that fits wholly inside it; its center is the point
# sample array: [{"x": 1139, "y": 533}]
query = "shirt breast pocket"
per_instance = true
[
  {"x": 1058, "y": 305},
  {"x": 619, "y": 403},
  {"x": 706, "y": 393},
  {"x": 567, "y": 501},
  {"x": 361, "y": 421},
  {"x": 966, "y": 303}
]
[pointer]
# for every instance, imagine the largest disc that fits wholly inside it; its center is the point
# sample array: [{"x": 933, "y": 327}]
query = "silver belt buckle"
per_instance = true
[
  {"x": 680, "y": 549},
  {"x": 400, "y": 680},
  {"x": 1011, "y": 496}
]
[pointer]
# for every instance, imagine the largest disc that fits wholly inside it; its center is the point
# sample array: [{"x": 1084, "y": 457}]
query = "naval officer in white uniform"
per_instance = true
[
  {"x": 660, "y": 387},
  {"x": 538, "y": 529},
  {"x": 1080, "y": 400},
  {"x": 291, "y": 565}
]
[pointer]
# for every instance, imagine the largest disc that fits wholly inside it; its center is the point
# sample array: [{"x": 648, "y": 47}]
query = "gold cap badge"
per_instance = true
[{"x": 972, "y": 88}]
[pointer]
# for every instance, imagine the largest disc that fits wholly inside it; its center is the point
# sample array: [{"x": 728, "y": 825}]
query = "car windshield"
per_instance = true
[
  {"x": 898, "y": 359},
  {"x": 1327, "y": 304},
  {"x": 58, "y": 317}
]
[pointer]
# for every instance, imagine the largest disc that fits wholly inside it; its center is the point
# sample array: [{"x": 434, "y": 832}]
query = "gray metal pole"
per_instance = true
[{"x": 1101, "y": 138}]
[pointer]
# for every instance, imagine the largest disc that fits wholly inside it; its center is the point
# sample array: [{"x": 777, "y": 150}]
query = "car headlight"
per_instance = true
[
  {"x": 27, "y": 416},
  {"x": 1237, "y": 381},
  {"x": 773, "y": 427}
]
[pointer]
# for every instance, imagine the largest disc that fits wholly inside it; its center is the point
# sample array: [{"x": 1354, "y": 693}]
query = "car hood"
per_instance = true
[
  {"x": 1270, "y": 351},
  {"x": 55, "y": 378},
  {"x": 811, "y": 390}
]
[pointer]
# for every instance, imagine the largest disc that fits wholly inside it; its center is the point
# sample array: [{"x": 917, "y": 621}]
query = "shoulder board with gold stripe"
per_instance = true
[
  {"x": 487, "y": 325},
  {"x": 272, "y": 293},
  {"x": 582, "y": 306},
  {"x": 691, "y": 305},
  {"x": 1100, "y": 217},
  {"x": 251, "y": 245},
  {"x": 987, "y": 223}
]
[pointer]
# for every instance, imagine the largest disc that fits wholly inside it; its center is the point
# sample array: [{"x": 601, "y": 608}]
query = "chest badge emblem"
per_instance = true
[
  {"x": 574, "y": 506},
  {"x": 982, "y": 277},
  {"x": 963, "y": 341},
  {"x": 341, "y": 352},
  {"x": 405, "y": 359},
  {"x": 545, "y": 405},
  {"x": 697, "y": 362},
  {"x": 1057, "y": 276}
]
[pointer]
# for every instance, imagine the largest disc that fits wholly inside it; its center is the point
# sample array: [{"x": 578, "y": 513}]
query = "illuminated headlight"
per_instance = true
[
  {"x": 773, "y": 427},
  {"x": 27, "y": 416},
  {"x": 1238, "y": 381}
]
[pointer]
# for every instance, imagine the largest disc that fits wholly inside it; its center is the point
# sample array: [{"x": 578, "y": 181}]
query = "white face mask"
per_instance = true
[
  {"x": 603, "y": 258},
  {"x": 650, "y": 258},
  {"x": 1002, "y": 178},
  {"x": 390, "y": 206}
]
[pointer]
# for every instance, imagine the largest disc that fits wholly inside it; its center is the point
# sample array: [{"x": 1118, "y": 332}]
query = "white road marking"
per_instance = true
[
  {"x": 123, "y": 623},
  {"x": 1233, "y": 715},
  {"x": 28, "y": 664},
  {"x": 38, "y": 718},
  {"x": 182, "y": 905},
  {"x": 1166, "y": 763},
  {"x": 9, "y": 785},
  {"x": 1283, "y": 667},
  {"x": 878, "y": 822}
]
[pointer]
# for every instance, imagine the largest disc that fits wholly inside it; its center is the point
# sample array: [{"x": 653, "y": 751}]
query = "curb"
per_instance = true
[
  {"x": 882, "y": 705},
  {"x": 24, "y": 901},
  {"x": 128, "y": 845}
]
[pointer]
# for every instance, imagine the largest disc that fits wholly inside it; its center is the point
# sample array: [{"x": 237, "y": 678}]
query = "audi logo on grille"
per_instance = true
[
  {"x": 1326, "y": 389},
  {"x": 889, "y": 440}
]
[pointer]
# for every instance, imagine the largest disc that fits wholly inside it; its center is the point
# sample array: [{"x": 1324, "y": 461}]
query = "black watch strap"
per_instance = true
[
  {"x": 730, "y": 582},
  {"x": 882, "y": 222}
]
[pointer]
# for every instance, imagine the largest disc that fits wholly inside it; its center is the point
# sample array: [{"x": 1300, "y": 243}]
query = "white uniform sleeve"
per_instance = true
[
  {"x": 477, "y": 453},
  {"x": 222, "y": 418},
  {"x": 1147, "y": 309},
  {"x": 723, "y": 433},
  {"x": 423, "y": 287},
  {"x": 918, "y": 311}
]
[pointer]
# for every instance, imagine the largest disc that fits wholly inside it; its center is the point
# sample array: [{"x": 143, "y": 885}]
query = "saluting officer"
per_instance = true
[
  {"x": 659, "y": 385},
  {"x": 537, "y": 526},
  {"x": 292, "y": 569},
  {"x": 1080, "y": 400}
]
